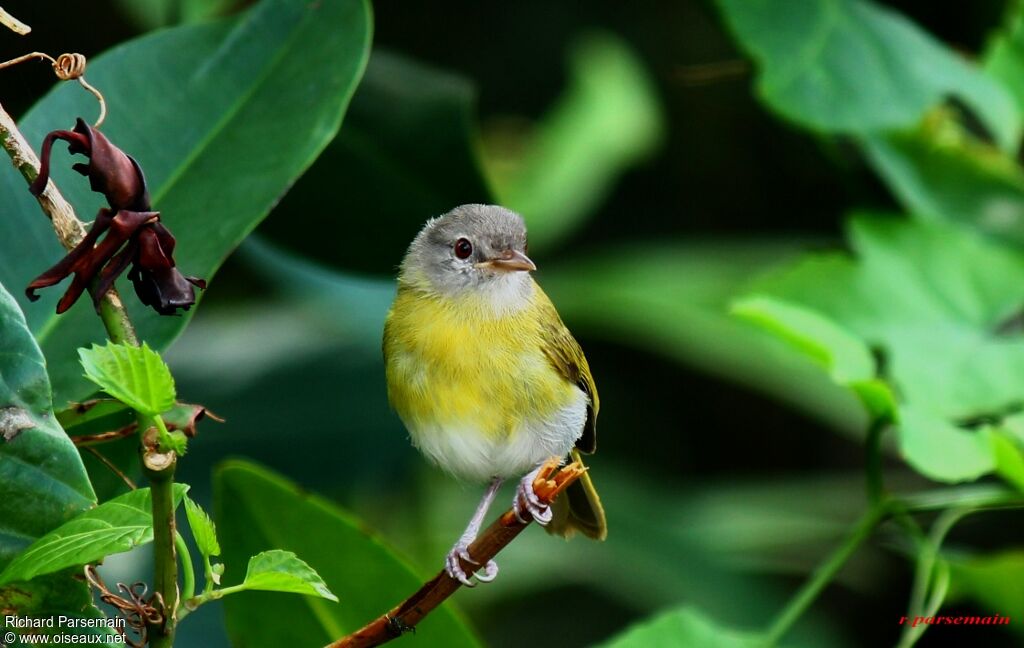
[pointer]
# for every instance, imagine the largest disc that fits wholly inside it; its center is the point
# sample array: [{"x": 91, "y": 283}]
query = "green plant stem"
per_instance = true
[
  {"x": 873, "y": 461},
  {"x": 824, "y": 573},
  {"x": 929, "y": 576},
  {"x": 188, "y": 575},
  {"x": 159, "y": 468},
  {"x": 190, "y": 605}
]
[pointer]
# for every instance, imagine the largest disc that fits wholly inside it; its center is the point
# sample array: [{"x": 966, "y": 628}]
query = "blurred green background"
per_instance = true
[{"x": 657, "y": 188}]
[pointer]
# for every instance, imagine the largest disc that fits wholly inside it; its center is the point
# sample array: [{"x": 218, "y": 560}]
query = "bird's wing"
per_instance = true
[{"x": 567, "y": 357}]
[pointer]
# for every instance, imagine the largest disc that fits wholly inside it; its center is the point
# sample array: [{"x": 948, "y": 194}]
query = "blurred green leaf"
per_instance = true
[
  {"x": 406, "y": 152},
  {"x": 993, "y": 581},
  {"x": 842, "y": 354},
  {"x": 257, "y": 510},
  {"x": 935, "y": 299},
  {"x": 1009, "y": 456},
  {"x": 151, "y": 14},
  {"x": 683, "y": 628},
  {"x": 1004, "y": 54},
  {"x": 64, "y": 594},
  {"x": 608, "y": 119},
  {"x": 673, "y": 300},
  {"x": 114, "y": 526},
  {"x": 223, "y": 117},
  {"x": 939, "y": 172},
  {"x": 136, "y": 376},
  {"x": 203, "y": 530},
  {"x": 941, "y": 450},
  {"x": 283, "y": 571},
  {"x": 42, "y": 480},
  {"x": 856, "y": 67}
]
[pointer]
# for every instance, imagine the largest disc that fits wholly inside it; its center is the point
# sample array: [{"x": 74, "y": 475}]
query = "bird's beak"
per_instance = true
[{"x": 509, "y": 261}]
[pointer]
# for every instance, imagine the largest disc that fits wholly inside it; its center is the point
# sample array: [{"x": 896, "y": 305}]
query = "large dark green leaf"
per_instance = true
[
  {"x": 42, "y": 480},
  {"x": 223, "y": 118},
  {"x": 406, "y": 152},
  {"x": 256, "y": 511},
  {"x": 853, "y": 66},
  {"x": 64, "y": 594}
]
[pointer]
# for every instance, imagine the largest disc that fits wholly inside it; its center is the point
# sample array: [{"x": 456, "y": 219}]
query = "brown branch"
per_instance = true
[
  {"x": 407, "y": 614},
  {"x": 86, "y": 440}
]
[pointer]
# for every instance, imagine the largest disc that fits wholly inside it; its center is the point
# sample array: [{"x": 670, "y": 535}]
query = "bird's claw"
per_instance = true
[
  {"x": 526, "y": 501},
  {"x": 453, "y": 566}
]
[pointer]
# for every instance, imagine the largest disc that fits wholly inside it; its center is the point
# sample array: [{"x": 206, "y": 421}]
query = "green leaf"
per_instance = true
[
  {"x": 942, "y": 451},
  {"x": 1009, "y": 456},
  {"x": 608, "y": 119},
  {"x": 1004, "y": 56},
  {"x": 939, "y": 172},
  {"x": 257, "y": 510},
  {"x": 406, "y": 152},
  {"x": 223, "y": 117},
  {"x": 114, "y": 526},
  {"x": 282, "y": 571},
  {"x": 853, "y": 66},
  {"x": 43, "y": 483},
  {"x": 203, "y": 530},
  {"x": 136, "y": 376},
  {"x": 683, "y": 628},
  {"x": 842, "y": 354},
  {"x": 935, "y": 299}
]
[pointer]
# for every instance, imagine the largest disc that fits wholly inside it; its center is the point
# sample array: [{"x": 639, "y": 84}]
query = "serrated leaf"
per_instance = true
[
  {"x": 114, "y": 526},
  {"x": 283, "y": 571},
  {"x": 854, "y": 66},
  {"x": 136, "y": 376},
  {"x": 203, "y": 530}
]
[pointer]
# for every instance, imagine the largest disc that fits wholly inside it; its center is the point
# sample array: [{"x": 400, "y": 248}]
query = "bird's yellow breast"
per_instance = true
[{"x": 456, "y": 364}]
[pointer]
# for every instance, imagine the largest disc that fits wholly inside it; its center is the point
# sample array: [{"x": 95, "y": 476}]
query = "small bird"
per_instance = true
[{"x": 484, "y": 374}]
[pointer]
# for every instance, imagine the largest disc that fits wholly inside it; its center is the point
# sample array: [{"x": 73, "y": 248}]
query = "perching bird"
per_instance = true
[{"x": 484, "y": 374}]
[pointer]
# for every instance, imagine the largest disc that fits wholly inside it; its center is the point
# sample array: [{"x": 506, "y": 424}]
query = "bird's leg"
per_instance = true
[
  {"x": 461, "y": 548},
  {"x": 526, "y": 500}
]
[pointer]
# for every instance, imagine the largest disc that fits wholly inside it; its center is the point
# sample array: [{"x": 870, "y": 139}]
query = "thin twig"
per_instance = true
[
  {"x": 69, "y": 229},
  {"x": 113, "y": 468},
  {"x": 67, "y": 67},
  {"x": 407, "y": 614}
]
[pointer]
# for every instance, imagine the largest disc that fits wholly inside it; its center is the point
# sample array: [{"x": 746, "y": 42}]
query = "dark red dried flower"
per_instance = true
[{"x": 134, "y": 234}]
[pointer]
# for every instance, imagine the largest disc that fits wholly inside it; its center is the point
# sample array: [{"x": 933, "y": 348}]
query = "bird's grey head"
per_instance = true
[{"x": 471, "y": 248}]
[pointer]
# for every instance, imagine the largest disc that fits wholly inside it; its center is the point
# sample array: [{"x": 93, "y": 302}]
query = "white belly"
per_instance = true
[{"x": 474, "y": 456}]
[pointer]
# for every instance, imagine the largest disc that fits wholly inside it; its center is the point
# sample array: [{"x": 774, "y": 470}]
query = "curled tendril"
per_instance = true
[
  {"x": 137, "y": 611},
  {"x": 67, "y": 67}
]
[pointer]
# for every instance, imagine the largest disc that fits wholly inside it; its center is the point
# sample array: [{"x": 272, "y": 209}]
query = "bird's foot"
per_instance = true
[
  {"x": 527, "y": 501},
  {"x": 453, "y": 565}
]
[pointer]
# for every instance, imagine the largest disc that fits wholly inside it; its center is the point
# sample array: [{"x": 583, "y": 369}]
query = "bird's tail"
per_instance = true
[{"x": 578, "y": 509}]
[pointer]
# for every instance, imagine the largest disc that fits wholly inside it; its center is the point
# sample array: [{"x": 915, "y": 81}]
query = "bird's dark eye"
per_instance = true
[{"x": 463, "y": 248}]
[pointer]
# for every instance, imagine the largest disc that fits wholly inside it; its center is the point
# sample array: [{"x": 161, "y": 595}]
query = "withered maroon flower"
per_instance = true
[{"x": 134, "y": 234}]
